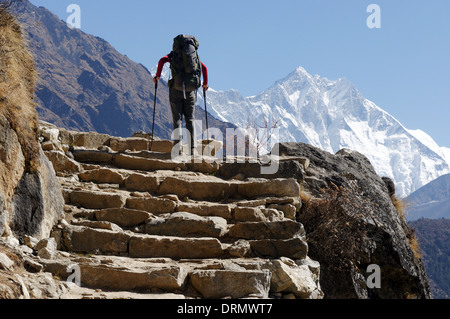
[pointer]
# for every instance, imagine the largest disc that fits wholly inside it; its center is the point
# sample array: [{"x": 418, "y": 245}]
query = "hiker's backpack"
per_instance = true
[{"x": 185, "y": 64}]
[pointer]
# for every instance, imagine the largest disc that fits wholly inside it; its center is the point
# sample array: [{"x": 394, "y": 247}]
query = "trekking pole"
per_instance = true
[
  {"x": 154, "y": 111},
  {"x": 206, "y": 114}
]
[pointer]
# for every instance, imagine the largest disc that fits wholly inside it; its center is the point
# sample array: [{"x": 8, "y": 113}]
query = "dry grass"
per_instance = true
[
  {"x": 415, "y": 246},
  {"x": 334, "y": 226},
  {"x": 400, "y": 206},
  {"x": 17, "y": 85}
]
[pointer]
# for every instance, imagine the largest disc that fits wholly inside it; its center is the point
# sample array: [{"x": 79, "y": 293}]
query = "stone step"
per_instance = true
[
  {"x": 284, "y": 229},
  {"x": 113, "y": 276},
  {"x": 150, "y": 246},
  {"x": 146, "y": 161},
  {"x": 128, "y": 206},
  {"x": 183, "y": 224},
  {"x": 82, "y": 239},
  {"x": 216, "y": 284},
  {"x": 206, "y": 188},
  {"x": 114, "y": 273},
  {"x": 171, "y": 243},
  {"x": 139, "y": 144},
  {"x": 123, "y": 217},
  {"x": 210, "y": 188},
  {"x": 95, "y": 199}
]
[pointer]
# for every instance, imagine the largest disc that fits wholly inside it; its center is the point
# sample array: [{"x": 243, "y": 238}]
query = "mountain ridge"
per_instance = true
[
  {"x": 430, "y": 201},
  {"x": 333, "y": 115},
  {"x": 85, "y": 84}
]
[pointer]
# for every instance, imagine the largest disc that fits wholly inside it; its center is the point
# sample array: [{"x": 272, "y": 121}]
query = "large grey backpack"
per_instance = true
[{"x": 185, "y": 63}]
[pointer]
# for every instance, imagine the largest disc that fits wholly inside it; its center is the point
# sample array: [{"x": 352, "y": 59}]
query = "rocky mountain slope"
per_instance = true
[
  {"x": 431, "y": 201},
  {"x": 91, "y": 215},
  {"x": 86, "y": 85},
  {"x": 434, "y": 239},
  {"x": 30, "y": 201},
  {"x": 333, "y": 115}
]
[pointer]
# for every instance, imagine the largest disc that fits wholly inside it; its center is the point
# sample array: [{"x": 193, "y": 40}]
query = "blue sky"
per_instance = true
[{"x": 247, "y": 45}]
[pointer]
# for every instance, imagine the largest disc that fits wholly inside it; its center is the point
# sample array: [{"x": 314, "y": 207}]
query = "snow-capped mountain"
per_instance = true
[{"x": 333, "y": 115}]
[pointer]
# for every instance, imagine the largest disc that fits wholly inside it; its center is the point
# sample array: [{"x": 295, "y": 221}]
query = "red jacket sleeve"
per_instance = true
[
  {"x": 161, "y": 63},
  {"x": 205, "y": 74}
]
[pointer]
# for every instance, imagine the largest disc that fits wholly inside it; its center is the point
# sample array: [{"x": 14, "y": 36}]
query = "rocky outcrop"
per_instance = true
[
  {"x": 30, "y": 197},
  {"x": 364, "y": 227}
]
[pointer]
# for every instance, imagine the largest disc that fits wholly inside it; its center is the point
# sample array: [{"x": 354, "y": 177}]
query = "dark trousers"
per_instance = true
[{"x": 183, "y": 107}]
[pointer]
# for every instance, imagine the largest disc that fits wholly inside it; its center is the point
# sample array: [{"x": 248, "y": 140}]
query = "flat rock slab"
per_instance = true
[
  {"x": 275, "y": 187},
  {"x": 187, "y": 225},
  {"x": 145, "y": 164},
  {"x": 149, "y": 246},
  {"x": 92, "y": 156},
  {"x": 209, "y": 188},
  {"x": 102, "y": 176},
  {"x": 97, "y": 200},
  {"x": 110, "y": 277},
  {"x": 215, "y": 284},
  {"x": 154, "y": 205},
  {"x": 284, "y": 229},
  {"x": 140, "y": 144},
  {"x": 295, "y": 248},
  {"x": 123, "y": 217},
  {"x": 87, "y": 240},
  {"x": 142, "y": 183},
  {"x": 119, "y": 144},
  {"x": 206, "y": 209},
  {"x": 204, "y": 188}
]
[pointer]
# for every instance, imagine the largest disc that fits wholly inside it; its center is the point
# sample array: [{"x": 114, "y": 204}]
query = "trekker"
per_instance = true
[{"x": 186, "y": 72}]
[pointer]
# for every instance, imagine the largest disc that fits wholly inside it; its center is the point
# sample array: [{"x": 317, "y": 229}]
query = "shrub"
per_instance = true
[{"x": 334, "y": 226}]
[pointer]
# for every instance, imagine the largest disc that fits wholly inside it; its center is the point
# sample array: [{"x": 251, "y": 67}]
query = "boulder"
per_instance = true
[
  {"x": 62, "y": 163},
  {"x": 37, "y": 203},
  {"x": 371, "y": 221},
  {"x": 5, "y": 262},
  {"x": 288, "y": 277}
]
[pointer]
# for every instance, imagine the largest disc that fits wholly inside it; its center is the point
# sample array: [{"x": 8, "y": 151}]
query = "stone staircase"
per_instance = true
[{"x": 138, "y": 224}]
